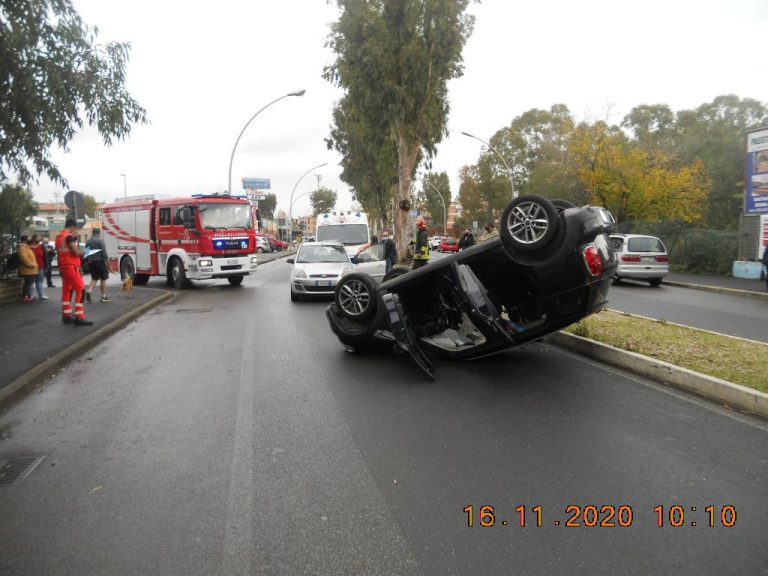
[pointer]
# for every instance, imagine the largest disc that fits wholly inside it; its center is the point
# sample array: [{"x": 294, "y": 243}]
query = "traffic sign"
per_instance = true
[
  {"x": 256, "y": 184},
  {"x": 257, "y": 197}
]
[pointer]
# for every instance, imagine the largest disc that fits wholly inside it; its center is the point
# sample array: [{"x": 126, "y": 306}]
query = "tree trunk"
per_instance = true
[{"x": 407, "y": 153}]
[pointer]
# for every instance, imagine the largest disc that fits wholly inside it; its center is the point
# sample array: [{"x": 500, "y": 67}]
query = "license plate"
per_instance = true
[
  {"x": 320, "y": 283},
  {"x": 648, "y": 259},
  {"x": 232, "y": 261}
]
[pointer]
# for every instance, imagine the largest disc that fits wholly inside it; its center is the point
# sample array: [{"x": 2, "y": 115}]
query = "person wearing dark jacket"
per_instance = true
[
  {"x": 421, "y": 255},
  {"x": 390, "y": 250},
  {"x": 467, "y": 240},
  {"x": 99, "y": 265},
  {"x": 50, "y": 252}
]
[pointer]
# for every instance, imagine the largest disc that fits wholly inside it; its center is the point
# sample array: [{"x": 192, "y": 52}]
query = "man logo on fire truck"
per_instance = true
[{"x": 200, "y": 237}]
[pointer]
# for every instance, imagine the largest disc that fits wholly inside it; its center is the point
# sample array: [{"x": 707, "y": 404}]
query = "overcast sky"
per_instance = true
[{"x": 202, "y": 69}]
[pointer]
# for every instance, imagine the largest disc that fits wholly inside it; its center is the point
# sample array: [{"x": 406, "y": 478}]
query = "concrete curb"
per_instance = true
[
  {"x": 718, "y": 289},
  {"x": 52, "y": 364},
  {"x": 720, "y": 391}
]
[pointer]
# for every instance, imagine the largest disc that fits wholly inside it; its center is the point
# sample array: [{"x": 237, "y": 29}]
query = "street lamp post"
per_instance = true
[
  {"x": 290, "y": 202},
  {"x": 232, "y": 157},
  {"x": 509, "y": 170},
  {"x": 445, "y": 212},
  {"x": 125, "y": 185}
]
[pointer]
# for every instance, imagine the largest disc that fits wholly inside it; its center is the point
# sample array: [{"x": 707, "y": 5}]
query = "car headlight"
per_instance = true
[
  {"x": 205, "y": 263},
  {"x": 299, "y": 273},
  {"x": 254, "y": 259}
]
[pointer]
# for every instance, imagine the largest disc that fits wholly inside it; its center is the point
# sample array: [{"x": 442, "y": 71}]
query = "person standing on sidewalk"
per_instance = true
[
  {"x": 49, "y": 252},
  {"x": 421, "y": 255},
  {"x": 490, "y": 231},
  {"x": 69, "y": 254},
  {"x": 40, "y": 256},
  {"x": 765, "y": 263},
  {"x": 27, "y": 268},
  {"x": 99, "y": 263}
]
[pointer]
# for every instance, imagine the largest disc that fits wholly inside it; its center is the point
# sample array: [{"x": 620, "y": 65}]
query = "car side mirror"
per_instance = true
[
  {"x": 290, "y": 260},
  {"x": 353, "y": 259}
]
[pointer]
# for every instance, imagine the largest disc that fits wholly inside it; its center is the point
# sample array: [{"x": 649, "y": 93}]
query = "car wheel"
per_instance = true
[
  {"x": 127, "y": 269},
  {"x": 178, "y": 274},
  {"x": 394, "y": 273},
  {"x": 355, "y": 296},
  {"x": 654, "y": 281},
  {"x": 235, "y": 280},
  {"x": 295, "y": 297},
  {"x": 528, "y": 223}
]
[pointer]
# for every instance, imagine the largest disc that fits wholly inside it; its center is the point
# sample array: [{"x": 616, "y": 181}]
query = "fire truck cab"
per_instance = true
[{"x": 200, "y": 237}]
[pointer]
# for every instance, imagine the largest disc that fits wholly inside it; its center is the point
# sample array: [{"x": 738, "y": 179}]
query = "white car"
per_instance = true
[
  {"x": 317, "y": 268},
  {"x": 434, "y": 242},
  {"x": 640, "y": 258},
  {"x": 370, "y": 260}
]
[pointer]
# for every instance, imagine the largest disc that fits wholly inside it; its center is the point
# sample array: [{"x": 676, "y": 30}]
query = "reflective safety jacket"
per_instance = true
[
  {"x": 64, "y": 254},
  {"x": 422, "y": 246}
]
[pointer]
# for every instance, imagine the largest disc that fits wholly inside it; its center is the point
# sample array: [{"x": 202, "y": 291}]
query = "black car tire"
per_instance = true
[
  {"x": 528, "y": 223},
  {"x": 355, "y": 296},
  {"x": 126, "y": 268},
  {"x": 654, "y": 281},
  {"x": 295, "y": 297},
  {"x": 394, "y": 273}
]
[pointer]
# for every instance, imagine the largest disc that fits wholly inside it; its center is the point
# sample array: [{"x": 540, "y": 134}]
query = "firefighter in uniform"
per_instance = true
[
  {"x": 69, "y": 253},
  {"x": 421, "y": 255}
]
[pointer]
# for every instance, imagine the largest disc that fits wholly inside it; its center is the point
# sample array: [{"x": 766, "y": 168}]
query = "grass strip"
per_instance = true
[{"x": 738, "y": 361}]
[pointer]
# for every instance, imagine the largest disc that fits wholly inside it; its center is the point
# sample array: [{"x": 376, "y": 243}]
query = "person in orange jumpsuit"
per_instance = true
[{"x": 69, "y": 254}]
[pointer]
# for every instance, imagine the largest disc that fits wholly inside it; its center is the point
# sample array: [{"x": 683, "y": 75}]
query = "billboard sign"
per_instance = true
[
  {"x": 256, "y": 184},
  {"x": 757, "y": 173}
]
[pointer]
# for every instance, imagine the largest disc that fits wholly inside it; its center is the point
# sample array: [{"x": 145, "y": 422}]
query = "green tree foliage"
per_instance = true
[
  {"x": 16, "y": 205},
  {"x": 90, "y": 206},
  {"x": 394, "y": 59},
  {"x": 54, "y": 78},
  {"x": 369, "y": 159},
  {"x": 434, "y": 187},
  {"x": 322, "y": 200},
  {"x": 267, "y": 207}
]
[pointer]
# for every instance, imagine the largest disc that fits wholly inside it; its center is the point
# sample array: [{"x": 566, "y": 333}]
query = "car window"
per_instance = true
[
  {"x": 313, "y": 254},
  {"x": 645, "y": 244},
  {"x": 617, "y": 243},
  {"x": 374, "y": 253}
]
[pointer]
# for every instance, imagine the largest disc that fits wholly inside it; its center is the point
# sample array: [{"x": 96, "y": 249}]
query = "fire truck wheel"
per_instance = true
[
  {"x": 126, "y": 268},
  {"x": 177, "y": 274},
  {"x": 235, "y": 280}
]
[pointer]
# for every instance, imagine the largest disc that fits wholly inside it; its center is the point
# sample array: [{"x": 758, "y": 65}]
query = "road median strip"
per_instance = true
[{"x": 725, "y": 369}]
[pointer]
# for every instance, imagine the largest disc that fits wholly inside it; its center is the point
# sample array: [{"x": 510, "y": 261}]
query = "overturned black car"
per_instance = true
[{"x": 550, "y": 266}]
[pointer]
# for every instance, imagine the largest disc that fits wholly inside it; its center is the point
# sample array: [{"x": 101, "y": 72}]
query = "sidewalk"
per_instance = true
[{"x": 34, "y": 342}]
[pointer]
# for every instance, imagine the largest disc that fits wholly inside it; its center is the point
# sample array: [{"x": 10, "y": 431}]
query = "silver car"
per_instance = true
[
  {"x": 640, "y": 258},
  {"x": 317, "y": 268}
]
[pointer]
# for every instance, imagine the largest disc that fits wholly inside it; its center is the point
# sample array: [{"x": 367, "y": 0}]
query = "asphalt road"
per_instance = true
[
  {"x": 229, "y": 433},
  {"x": 732, "y": 315}
]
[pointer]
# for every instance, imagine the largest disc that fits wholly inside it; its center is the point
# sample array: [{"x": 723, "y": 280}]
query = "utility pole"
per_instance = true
[{"x": 318, "y": 176}]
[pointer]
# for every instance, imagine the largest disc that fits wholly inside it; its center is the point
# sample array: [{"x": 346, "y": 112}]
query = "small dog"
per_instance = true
[{"x": 127, "y": 287}]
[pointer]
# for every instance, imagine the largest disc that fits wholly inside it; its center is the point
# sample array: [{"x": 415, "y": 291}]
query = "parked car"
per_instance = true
[
  {"x": 640, "y": 258},
  {"x": 270, "y": 240},
  {"x": 550, "y": 266},
  {"x": 317, "y": 269},
  {"x": 262, "y": 244},
  {"x": 280, "y": 245},
  {"x": 434, "y": 242},
  {"x": 449, "y": 245}
]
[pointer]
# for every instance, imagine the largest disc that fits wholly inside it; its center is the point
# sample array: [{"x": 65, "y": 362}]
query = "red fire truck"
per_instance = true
[{"x": 200, "y": 237}]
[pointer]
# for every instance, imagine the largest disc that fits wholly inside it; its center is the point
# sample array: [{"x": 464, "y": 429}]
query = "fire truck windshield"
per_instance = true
[
  {"x": 225, "y": 215},
  {"x": 345, "y": 233}
]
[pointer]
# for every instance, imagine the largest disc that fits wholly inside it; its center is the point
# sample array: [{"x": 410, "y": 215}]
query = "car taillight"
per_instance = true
[
  {"x": 662, "y": 258},
  {"x": 592, "y": 260},
  {"x": 628, "y": 258}
]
